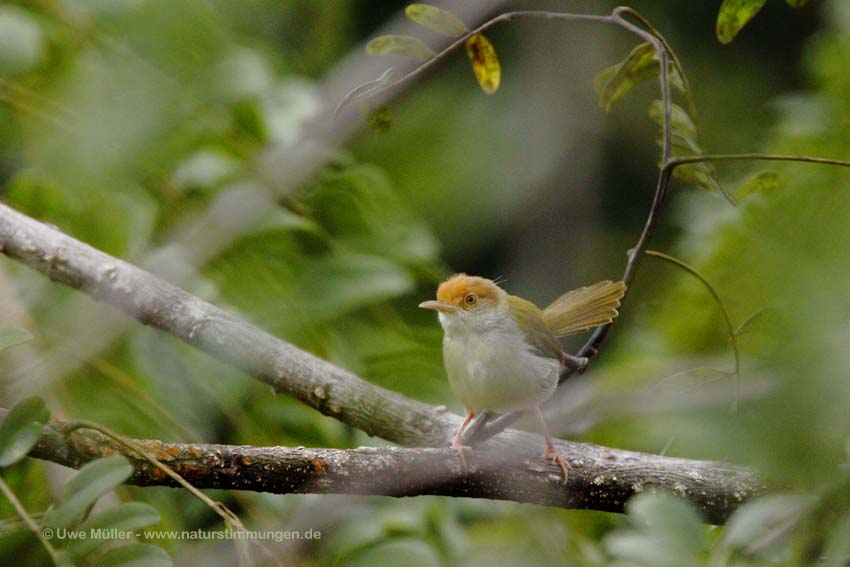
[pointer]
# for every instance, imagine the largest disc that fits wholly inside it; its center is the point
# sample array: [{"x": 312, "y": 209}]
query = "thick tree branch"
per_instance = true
[
  {"x": 600, "y": 478},
  {"x": 601, "y": 484}
]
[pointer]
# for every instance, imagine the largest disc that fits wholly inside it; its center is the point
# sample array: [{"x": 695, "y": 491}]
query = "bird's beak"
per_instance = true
[{"x": 438, "y": 306}]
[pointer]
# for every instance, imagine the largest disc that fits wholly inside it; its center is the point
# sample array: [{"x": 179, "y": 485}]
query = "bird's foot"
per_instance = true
[
  {"x": 552, "y": 455},
  {"x": 576, "y": 363},
  {"x": 459, "y": 448}
]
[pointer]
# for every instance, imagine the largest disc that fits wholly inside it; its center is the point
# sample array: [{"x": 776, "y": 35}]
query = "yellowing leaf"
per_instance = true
[
  {"x": 485, "y": 63},
  {"x": 759, "y": 183},
  {"x": 734, "y": 15},
  {"x": 380, "y": 119},
  {"x": 436, "y": 19},
  {"x": 400, "y": 45}
]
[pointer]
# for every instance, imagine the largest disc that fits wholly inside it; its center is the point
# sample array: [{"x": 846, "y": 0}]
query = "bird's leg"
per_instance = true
[
  {"x": 551, "y": 452},
  {"x": 576, "y": 363},
  {"x": 457, "y": 443}
]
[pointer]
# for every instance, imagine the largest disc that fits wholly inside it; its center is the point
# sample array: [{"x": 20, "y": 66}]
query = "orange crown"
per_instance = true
[{"x": 454, "y": 290}]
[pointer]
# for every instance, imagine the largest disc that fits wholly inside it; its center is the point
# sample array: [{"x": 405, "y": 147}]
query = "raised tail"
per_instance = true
[{"x": 584, "y": 308}]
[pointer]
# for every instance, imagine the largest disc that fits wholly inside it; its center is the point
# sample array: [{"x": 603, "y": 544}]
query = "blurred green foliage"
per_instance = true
[{"x": 143, "y": 128}]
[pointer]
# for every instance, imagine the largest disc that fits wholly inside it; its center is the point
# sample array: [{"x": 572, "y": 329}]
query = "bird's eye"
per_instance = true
[{"x": 470, "y": 299}]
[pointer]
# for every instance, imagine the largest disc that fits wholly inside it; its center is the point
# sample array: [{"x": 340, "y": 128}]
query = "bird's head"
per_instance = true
[{"x": 468, "y": 300}]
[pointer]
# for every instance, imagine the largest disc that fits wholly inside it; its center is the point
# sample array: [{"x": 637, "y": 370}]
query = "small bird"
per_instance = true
[{"x": 502, "y": 352}]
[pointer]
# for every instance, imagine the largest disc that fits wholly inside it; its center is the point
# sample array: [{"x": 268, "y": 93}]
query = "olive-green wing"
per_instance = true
[
  {"x": 529, "y": 317},
  {"x": 584, "y": 308}
]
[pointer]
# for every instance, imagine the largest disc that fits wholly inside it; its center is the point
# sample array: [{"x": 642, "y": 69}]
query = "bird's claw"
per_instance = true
[
  {"x": 459, "y": 448},
  {"x": 576, "y": 363},
  {"x": 559, "y": 460}
]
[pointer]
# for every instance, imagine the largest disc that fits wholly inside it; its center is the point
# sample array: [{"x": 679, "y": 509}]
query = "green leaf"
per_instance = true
[
  {"x": 669, "y": 516},
  {"x": 241, "y": 75},
  {"x": 666, "y": 531},
  {"x": 436, "y": 19},
  {"x": 281, "y": 219},
  {"x": 485, "y": 63},
  {"x": 21, "y": 41},
  {"x": 769, "y": 180},
  {"x": 204, "y": 169},
  {"x": 734, "y": 15},
  {"x": 640, "y": 65},
  {"x": 797, "y": 3},
  {"x": 400, "y": 45},
  {"x": 698, "y": 175},
  {"x": 126, "y": 516},
  {"x": 37, "y": 196},
  {"x": 603, "y": 77},
  {"x": 681, "y": 120},
  {"x": 334, "y": 285},
  {"x": 644, "y": 549},
  {"x": 836, "y": 552},
  {"x": 135, "y": 555},
  {"x": 21, "y": 429},
  {"x": 685, "y": 142},
  {"x": 753, "y": 522},
  {"x": 91, "y": 482},
  {"x": 382, "y": 351},
  {"x": 403, "y": 551},
  {"x": 359, "y": 206},
  {"x": 10, "y": 336},
  {"x": 380, "y": 119}
]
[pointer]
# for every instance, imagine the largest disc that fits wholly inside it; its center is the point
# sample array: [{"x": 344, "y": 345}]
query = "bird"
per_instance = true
[{"x": 502, "y": 353}]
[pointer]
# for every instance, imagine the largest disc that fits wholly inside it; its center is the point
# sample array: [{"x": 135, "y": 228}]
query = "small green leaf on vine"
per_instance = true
[
  {"x": 759, "y": 183},
  {"x": 404, "y": 45},
  {"x": 683, "y": 125},
  {"x": 485, "y": 63},
  {"x": 436, "y": 19},
  {"x": 734, "y": 15},
  {"x": 686, "y": 143},
  {"x": 641, "y": 64}
]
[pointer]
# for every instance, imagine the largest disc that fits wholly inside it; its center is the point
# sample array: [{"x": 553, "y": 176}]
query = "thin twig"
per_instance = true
[
  {"x": 461, "y": 40},
  {"x": 730, "y": 327},
  {"x": 692, "y": 107},
  {"x": 230, "y": 519},
  {"x": 675, "y": 162},
  {"x": 22, "y": 512}
]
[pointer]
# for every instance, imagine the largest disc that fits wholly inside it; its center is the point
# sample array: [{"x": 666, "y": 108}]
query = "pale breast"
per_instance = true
[{"x": 497, "y": 371}]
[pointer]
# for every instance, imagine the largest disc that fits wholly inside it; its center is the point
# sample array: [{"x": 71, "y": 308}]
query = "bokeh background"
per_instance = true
[{"x": 198, "y": 138}]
